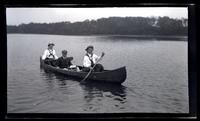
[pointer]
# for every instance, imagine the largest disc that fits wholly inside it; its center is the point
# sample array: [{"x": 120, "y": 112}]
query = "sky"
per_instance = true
[{"x": 16, "y": 16}]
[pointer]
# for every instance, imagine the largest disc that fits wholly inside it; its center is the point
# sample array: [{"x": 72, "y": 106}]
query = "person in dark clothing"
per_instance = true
[{"x": 64, "y": 61}]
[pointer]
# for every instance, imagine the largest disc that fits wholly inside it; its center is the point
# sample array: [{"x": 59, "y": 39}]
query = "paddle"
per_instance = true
[{"x": 92, "y": 68}]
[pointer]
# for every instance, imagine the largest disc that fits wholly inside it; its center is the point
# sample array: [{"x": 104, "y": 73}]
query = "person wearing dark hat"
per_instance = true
[
  {"x": 90, "y": 60},
  {"x": 64, "y": 61},
  {"x": 49, "y": 55}
]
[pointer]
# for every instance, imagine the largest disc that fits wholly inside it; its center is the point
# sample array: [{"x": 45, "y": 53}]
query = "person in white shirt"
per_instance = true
[
  {"x": 49, "y": 55},
  {"x": 90, "y": 60}
]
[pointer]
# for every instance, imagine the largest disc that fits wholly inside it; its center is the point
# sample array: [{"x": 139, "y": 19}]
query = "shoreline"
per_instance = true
[{"x": 115, "y": 35}]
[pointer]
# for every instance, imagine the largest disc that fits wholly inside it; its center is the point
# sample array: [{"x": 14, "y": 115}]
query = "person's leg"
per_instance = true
[
  {"x": 50, "y": 61},
  {"x": 47, "y": 61},
  {"x": 85, "y": 69},
  {"x": 53, "y": 62},
  {"x": 102, "y": 68},
  {"x": 98, "y": 68}
]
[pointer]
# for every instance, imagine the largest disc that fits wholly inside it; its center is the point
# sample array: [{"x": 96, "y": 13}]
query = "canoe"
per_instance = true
[{"x": 116, "y": 76}]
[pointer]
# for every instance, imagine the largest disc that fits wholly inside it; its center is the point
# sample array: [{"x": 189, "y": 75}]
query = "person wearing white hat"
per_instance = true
[
  {"x": 90, "y": 60},
  {"x": 49, "y": 55}
]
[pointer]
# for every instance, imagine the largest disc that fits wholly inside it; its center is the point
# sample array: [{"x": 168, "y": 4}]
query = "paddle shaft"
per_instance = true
[{"x": 92, "y": 69}]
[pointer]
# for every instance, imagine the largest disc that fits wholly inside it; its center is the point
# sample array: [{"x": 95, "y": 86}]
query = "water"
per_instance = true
[{"x": 157, "y": 80}]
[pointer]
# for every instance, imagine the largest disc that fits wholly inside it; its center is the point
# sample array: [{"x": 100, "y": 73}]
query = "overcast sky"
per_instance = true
[{"x": 16, "y": 16}]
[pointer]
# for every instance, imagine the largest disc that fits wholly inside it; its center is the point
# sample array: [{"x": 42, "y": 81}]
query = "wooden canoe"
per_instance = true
[{"x": 117, "y": 76}]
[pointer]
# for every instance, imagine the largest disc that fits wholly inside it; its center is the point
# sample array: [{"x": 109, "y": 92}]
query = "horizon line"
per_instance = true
[{"x": 95, "y": 20}]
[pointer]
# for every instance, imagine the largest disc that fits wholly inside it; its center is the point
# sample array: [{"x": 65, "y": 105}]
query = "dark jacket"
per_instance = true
[{"x": 64, "y": 63}]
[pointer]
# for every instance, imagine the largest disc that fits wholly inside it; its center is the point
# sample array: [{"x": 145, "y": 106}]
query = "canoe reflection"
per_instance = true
[
  {"x": 91, "y": 96},
  {"x": 58, "y": 80},
  {"x": 90, "y": 87},
  {"x": 115, "y": 89},
  {"x": 103, "y": 96}
]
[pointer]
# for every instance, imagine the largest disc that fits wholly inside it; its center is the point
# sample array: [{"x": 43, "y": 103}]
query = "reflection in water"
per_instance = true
[
  {"x": 48, "y": 78},
  {"x": 114, "y": 89},
  {"x": 57, "y": 87},
  {"x": 56, "y": 81},
  {"x": 97, "y": 96}
]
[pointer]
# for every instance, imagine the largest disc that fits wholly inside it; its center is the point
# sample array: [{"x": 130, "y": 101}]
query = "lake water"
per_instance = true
[{"x": 157, "y": 76}]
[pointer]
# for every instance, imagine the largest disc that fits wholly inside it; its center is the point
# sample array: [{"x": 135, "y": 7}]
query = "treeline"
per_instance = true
[{"x": 111, "y": 26}]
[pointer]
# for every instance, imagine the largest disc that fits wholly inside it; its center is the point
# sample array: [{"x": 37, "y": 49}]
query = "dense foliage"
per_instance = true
[{"x": 111, "y": 25}]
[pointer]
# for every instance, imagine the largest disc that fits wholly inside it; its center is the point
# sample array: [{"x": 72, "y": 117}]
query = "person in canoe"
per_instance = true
[
  {"x": 49, "y": 55},
  {"x": 64, "y": 61},
  {"x": 90, "y": 60}
]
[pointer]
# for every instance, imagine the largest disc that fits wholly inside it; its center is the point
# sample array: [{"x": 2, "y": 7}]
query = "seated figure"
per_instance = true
[
  {"x": 49, "y": 55},
  {"x": 90, "y": 60},
  {"x": 64, "y": 61}
]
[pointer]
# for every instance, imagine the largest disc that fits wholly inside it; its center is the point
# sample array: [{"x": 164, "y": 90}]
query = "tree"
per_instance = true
[{"x": 111, "y": 25}]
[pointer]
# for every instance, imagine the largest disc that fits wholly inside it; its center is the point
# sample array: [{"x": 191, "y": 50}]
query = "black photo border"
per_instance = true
[{"x": 192, "y": 57}]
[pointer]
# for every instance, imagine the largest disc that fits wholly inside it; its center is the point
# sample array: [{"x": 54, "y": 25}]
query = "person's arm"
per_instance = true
[
  {"x": 98, "y": 57},
  {"x": 86, "y": 62},
  {"x": 44, "y": 55}
]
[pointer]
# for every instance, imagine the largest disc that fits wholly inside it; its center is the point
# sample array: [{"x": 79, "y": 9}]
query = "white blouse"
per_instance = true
[
  {"x": 87, "y": 62},
  {"x": 48, "y": 55}
]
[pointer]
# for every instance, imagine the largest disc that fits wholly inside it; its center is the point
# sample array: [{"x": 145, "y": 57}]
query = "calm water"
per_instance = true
[{"x": 156, "y": 81}]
